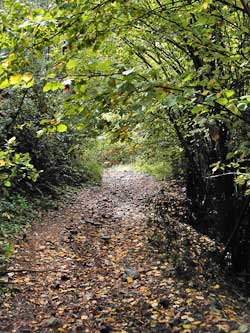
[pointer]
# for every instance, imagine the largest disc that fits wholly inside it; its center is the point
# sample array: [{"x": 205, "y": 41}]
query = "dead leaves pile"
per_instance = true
[{"x": 100, "y": 266}]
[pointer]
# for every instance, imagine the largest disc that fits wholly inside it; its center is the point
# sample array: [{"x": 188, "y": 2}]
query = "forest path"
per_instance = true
[
  {"x": 90, "y": 268},
  {"x": 83, "y": 251}
]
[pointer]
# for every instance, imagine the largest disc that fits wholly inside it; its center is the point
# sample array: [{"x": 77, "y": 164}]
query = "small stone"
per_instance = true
[
  {"x": 106, "y": 238},
  {"x": 80, "y": 328},
  {"x": 65, "y": 277},
  {"x": 56, "y": 285},
  {"x": 245, "y": 328},
  {"x": 24, "y": 330},
  {"x": 88, "y": 296},
  {"x": 130, "y": 272},
  {"x": 164, "y": 302},
  {"x": 53, "y": 322},
  {"x": 74, "y": 232},
  {"x": 106, "y": 328}
]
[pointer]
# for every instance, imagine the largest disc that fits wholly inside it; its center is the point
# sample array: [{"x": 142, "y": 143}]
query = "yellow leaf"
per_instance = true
[
  {"x": 129, "y": 279},
  {"x": 15, "y": 79},
  {"x": 20, "y": 78},
  {"x": 5, "y": 64},
  {"x": 12, "y": 57},
  {"x": 101, "y": 278},
  {"x": 154, "y": 304},
  {"x": 2, "y": 163},
  {"x": 217, "y": 286},
  {"x": 29, "y": 84},
  {"x": 205, "y": 5},
  {"x": 186, "y": 326},
  {"x": 27, "y": 77},
  {"x": 110, "y": 320},
  {"x": 84, "y": 317},
  {"x": 200, "y": 298},
  {"x": 8, "y": 216}
]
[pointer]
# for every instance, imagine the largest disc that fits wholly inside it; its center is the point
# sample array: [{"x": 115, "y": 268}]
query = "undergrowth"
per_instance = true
[
  {"x": 160, "y": 170},
  {"x": 15, "y": 211},
  {"x": 18, "y": 210}
]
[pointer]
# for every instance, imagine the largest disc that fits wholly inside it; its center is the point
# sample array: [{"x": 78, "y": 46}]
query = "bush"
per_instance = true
[
  {"x": 161, "y": 170},
  {"x": 87, "y": 163},
  {"x": 15, "y": 212}
]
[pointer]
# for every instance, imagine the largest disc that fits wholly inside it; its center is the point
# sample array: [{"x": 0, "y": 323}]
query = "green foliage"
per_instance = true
[
  {"x": 14, "y": 166},
  {"x": 88, "y": 165},
  {"x": 160, "y": 170},
  {"x": 15, "y": 212},
  {"x": 161, "y": 162}
]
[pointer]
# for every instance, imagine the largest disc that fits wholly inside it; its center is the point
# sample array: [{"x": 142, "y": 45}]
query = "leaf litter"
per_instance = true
[{"x": 120, "y": 259}]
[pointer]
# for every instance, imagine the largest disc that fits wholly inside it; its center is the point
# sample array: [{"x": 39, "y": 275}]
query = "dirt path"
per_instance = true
[
  {"x": 83, "y": 251},
  {"x": 90, "y": 268}
]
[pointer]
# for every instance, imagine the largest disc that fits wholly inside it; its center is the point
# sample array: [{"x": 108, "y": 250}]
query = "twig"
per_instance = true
[{"x": 225, "y": 174}]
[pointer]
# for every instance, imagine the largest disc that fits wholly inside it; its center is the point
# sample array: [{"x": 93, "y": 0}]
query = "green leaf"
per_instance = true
[
  {"x": 72, "y": 63},
  {"x": 197, "y": 109},
  {"x": 210, "y": 98},
  {"x": 45, "y": 121},
  {"x": 47, "y": 87},
  {"x": 233, "y": 108},
  {"x": 242, "y": 106},
  {"x": 240, "y": 180},
  {"x": 112, "y": 82},
  {"x": 52, "y": 86},
  {"x": 7, "y": 183},
  {"x": 222, "y": 101},
  {"x": 61, "y": 128},
  {"x": 230, "y": 155},
  {"x": 187, "y": 78},
  {"x": 229, "y": 93},
  {"x": 4, "y": 84},
  {"x": 170, "y": 100},
  {"x": 247, "y": 97}
]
